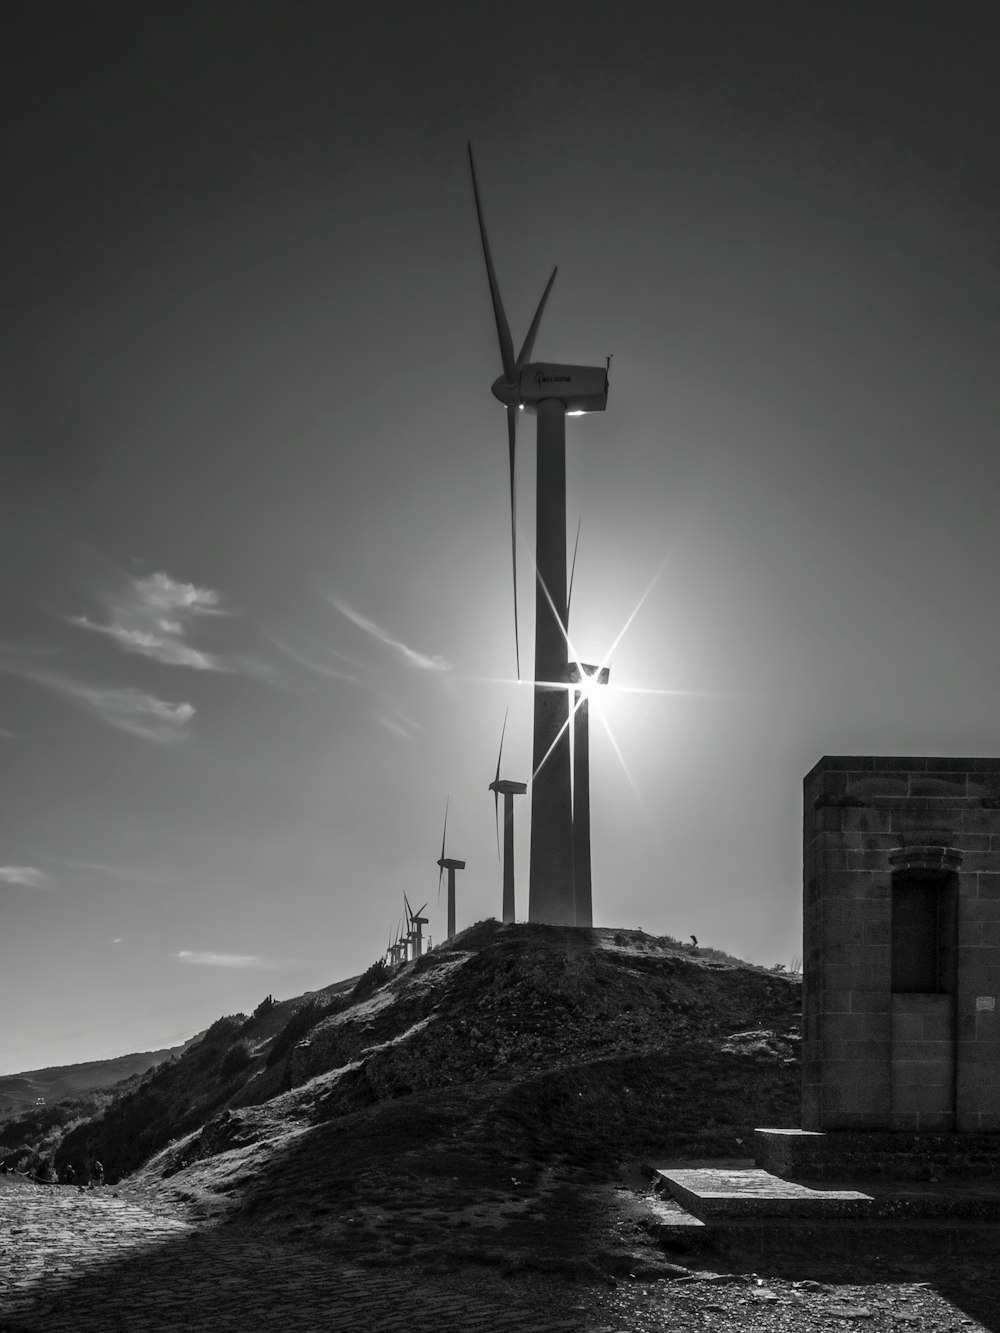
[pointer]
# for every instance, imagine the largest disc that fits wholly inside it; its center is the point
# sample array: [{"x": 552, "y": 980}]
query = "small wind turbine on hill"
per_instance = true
[
  {"x": 397, "y": 949},
  {"x": 550, "y": 391},
  {"x": 451, "y": 865},
  {"x": 416, "y": 922},
  {"x": 508, "y": 790}
]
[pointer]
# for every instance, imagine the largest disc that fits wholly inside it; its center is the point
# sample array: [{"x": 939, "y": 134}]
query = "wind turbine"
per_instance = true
[
  {"x": 451, "y": 865},
  {"x": 589, "y": 677},
  {"x": 508, "y": 790},
  {"x": 402, "y": 943},
  {"x": 416, "y": 923},
  {"x": 549, "y": 391},
  {"x": 397, "y": 947}
]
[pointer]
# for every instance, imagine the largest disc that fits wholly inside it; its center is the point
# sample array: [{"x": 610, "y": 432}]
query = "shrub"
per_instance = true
[
  {"x": 224, "y": 1029},
  {"x": 236, "y": 1058},
  {"x": 266, "y": 1004},
  {"x": 45, "y": 1170},
  {"x": 369, "y": 982},
  {"x": 303, "y": 1018}
]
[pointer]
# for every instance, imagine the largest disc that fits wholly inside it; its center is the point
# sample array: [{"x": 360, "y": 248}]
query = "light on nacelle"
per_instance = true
[{"x": 586, "y": 679}]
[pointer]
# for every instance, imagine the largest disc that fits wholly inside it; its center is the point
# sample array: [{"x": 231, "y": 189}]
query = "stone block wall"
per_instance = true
[{"x": 925, "y": 1057}]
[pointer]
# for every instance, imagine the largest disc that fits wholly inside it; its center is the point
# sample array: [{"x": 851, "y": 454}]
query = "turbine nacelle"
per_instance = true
[
  {"x": 584, "y": 673},
  {"x": 504, "y": 787},
  {"x": 578, "y": 388}
]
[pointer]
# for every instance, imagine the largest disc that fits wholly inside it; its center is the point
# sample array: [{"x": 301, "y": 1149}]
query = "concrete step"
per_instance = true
[
  {"x": 862, "y": 1156},
  {"x": 730, "y": 1194},
  {"x": 716, "y": 1194}
]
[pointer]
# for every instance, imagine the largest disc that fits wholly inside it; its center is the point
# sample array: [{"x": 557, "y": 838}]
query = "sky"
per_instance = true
[{"x": 255, "y": 608}]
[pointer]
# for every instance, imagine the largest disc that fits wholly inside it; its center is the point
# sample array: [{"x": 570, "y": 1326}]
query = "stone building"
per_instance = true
[{"x": 901, "y": 949}]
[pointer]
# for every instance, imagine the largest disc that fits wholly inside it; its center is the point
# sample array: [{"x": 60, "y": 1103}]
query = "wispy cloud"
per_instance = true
[
  {"x": 249, "y": 665},
  {"x": 396, "y": 728},
  {"x": 153, "y": 616},
  {"x": 134, "y": 874},
  {"x": 387, "y": 715},
  {"x": 27, "y": 876},
  {"x": 201, "y": 958},
  {"x": 310, "y": 662},
  {"x": 411, "y": 656},
  {"x": 135, "y": 711}
]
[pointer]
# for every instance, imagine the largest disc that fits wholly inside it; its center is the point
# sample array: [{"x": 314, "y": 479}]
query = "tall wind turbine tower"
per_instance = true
[
  {"x": 588, "y": 676},
  {"x": 508, "y": 790},
  {"x": 549, "y": 391}
]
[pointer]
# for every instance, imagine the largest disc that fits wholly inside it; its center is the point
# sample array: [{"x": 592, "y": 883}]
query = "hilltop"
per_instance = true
[{"x": 481, "y": 1094}]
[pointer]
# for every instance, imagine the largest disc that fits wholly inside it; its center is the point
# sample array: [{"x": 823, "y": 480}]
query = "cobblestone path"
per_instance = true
[{"x": 74, "y": 1262}]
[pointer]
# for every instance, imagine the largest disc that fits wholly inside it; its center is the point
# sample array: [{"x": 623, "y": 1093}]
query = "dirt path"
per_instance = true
[
  {"x": 76, "y": 1262},
  {"x": 99, "y": 1261}
]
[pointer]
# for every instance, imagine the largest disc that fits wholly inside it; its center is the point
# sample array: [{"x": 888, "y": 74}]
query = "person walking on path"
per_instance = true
[{"x": 97, "y": 1174}]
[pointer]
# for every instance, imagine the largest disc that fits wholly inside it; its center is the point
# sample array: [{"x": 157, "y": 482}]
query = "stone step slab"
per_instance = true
[
  {"x": 713, "y": 1194},
  {"x": 730, "y": 1194}
]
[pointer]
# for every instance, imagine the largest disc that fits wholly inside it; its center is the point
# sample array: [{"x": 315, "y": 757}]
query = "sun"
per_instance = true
[{"x": 588, "y": 680}]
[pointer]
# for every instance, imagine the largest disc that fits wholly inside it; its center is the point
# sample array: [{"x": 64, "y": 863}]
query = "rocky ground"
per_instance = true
[{"x": 137, "y": 1260}]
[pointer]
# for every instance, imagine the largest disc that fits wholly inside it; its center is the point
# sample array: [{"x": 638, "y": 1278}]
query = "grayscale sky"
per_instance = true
[{"x": 255, "y": 568}]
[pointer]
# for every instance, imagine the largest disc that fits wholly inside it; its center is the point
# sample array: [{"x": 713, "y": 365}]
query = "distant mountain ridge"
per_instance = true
[{"x": 20, "y": 1092}]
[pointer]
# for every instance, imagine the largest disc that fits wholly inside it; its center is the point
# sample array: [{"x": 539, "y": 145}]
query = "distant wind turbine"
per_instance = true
[
  {"x": 550, "y": 391},
  {"x": 451, "y": 865},
  {"x": 397, "y": 948},
  {"x": 416, "y": 922},
  {"x": 508, "y": 790}
]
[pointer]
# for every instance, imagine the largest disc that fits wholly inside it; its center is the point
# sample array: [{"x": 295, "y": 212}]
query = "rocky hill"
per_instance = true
[{"x": 513, "y": 1058}]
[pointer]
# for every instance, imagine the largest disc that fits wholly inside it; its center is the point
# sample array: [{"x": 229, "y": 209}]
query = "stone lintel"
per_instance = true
[{"x": 929, "y": 860}]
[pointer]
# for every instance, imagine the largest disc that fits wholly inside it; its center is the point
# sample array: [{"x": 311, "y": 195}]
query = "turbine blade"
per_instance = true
[
  {"x": 503, "y": 329},
  {"x": 511, "y": 447},
  {"x": 503, "y": 730},
  {"x": 572, "y": 572},
  {"x": 529, "y": 343},
  {"x": 496, "y": 813},
  {"x": 409, "y": 913},
  {"x": 445, "y": 833},
  {"x": 440, "y": 878}
]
